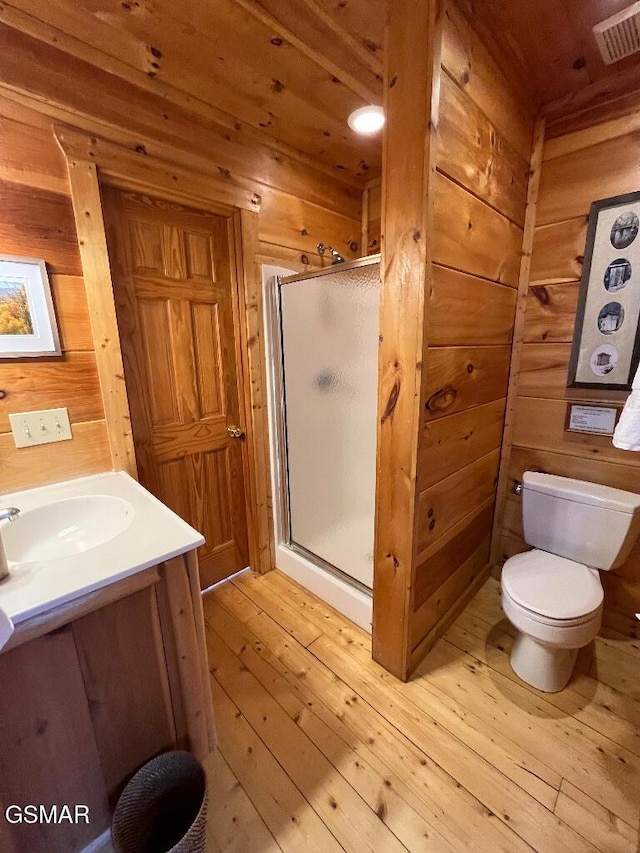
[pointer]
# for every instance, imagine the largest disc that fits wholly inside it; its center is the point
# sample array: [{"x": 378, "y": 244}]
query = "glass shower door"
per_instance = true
[{"x": 329, "y": 336}]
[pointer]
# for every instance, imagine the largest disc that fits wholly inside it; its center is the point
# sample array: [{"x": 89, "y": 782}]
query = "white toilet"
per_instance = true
[{"x": 553, "y": 594}]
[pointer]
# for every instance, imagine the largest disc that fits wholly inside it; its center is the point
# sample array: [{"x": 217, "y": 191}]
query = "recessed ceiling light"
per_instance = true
[{"x": 366, "y": 119}]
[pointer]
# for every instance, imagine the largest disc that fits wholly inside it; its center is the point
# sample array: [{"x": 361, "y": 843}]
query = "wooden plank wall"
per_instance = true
[
  {"x": 484, "y": 148},
  {"x": 586, "y": 157},
  {"x": 412, "y": 84},
  {"x": 36, "y": 220}
]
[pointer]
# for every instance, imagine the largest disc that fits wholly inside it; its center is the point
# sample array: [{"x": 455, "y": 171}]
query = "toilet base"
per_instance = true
[{"x": 543, "y": 667}]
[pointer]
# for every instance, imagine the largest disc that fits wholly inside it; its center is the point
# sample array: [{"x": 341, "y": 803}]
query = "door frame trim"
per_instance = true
[{"x": 92, "y": 161}]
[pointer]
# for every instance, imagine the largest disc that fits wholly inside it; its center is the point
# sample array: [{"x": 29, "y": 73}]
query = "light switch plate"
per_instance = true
[{"x": 45, "y": 427}]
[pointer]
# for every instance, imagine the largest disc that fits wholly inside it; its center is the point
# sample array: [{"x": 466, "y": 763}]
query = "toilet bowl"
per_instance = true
[
  {"x": 551, "y": 627},
  {"x": 552, "y": 594}
]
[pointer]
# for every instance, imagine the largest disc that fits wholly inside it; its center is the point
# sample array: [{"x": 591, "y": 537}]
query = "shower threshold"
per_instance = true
[{"x": 345, "y": 594}]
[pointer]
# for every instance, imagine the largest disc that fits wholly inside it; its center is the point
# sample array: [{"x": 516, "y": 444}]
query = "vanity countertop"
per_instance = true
[{"x": 148, "y": 533}]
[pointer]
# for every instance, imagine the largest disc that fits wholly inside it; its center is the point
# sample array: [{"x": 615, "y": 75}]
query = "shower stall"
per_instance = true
[{"x": 322, "y": 339}]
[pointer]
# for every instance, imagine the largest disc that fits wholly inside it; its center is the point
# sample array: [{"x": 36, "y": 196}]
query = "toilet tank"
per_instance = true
[{"x": 591, "y": 524}]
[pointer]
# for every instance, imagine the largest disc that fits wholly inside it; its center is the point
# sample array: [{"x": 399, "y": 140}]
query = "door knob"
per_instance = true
[{"x": 235, "y": 432}]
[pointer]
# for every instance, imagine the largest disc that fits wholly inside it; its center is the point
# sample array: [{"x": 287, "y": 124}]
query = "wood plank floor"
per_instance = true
[{"x": 321, "y": 750}]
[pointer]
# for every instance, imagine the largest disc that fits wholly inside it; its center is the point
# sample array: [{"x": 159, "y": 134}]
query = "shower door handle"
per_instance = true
[{"x": 235, "y": 432}]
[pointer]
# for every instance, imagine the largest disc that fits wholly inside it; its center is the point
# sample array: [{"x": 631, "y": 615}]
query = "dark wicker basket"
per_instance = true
[{"x": 163, "y": 808}]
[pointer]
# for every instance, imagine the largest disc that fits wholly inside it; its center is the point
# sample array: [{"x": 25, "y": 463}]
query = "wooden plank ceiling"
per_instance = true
[
  {"x": 288, "y": 72},
  {"x": 553, "y": 39}
]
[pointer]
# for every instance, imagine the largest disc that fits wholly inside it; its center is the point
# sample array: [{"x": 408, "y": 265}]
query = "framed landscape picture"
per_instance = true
[
  {"x": 606, "y": 340},
  {"x": 27, "y": 320}
]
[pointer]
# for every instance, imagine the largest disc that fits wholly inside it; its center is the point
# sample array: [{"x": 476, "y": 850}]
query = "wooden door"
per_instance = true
[{"x": 173, "y": 281}]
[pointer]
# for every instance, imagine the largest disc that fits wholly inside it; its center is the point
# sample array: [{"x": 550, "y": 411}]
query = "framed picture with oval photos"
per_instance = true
[{"x": 606, "y": 339}]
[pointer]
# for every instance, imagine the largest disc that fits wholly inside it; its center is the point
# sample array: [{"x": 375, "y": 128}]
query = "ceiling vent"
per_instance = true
[{"x": 619, "y": 35}]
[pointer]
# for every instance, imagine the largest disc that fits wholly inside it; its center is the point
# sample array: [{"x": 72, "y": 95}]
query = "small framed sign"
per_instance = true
[
  {"x": 596, "y": 420},
  {"x": 606, "y": 340},
  {"x": 27, "y": 319}
]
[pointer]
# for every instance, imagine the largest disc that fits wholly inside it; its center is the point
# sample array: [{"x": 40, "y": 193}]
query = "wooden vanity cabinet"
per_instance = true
[{"x": 92, "y": 691}]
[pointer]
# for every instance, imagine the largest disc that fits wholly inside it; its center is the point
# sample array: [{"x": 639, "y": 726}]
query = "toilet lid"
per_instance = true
[{"x": 552, "y": 586}]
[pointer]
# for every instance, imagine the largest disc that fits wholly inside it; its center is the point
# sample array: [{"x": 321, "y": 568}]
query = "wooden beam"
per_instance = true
[
  {"x": 593, "y": 126},
  {"x": 253, "y": 384},
  {"x": 193, "y": 574},
  {"x": 142, "y": 172},
  {"x": 365, "y": 45},
  {"x": 412, "y": 86},
  {"x": 182, "y": 625},
  {"x": 87, "y": 211},
  {"x": 595, "y": 95},
  {"x": 320, "y": 37},
  {"x": 518, "y": 333}
]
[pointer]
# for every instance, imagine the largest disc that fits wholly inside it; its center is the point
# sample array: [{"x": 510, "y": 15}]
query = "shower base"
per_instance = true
[{"x": 352, "y": 602}]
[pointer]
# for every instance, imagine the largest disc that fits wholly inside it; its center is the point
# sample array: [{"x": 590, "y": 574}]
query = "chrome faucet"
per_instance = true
[{"x": 8, "y": 513}]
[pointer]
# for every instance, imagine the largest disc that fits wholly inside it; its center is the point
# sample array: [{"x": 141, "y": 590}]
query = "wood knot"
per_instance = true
[
  {"x": 541, "y": 294},
  {"x": 381, "y": 810},
  {"x": 391, "y": 402},
  {"x": 441, "y": 400}
]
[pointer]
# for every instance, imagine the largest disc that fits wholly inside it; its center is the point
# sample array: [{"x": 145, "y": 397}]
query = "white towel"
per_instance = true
[
  {"x": 6, "y": 628},
  {"x": 627, "y": 432}
]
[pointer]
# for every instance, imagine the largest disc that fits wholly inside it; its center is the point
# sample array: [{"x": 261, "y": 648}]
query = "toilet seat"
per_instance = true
[
  {"x": 552, "y": 589},
  {"x": 510, "y": 604}
]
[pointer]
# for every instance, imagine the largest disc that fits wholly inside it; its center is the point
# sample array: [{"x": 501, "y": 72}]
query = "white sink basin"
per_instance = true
[
  {"x": 76, "y": 537},
  {"x": 66, "y": 527}
]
